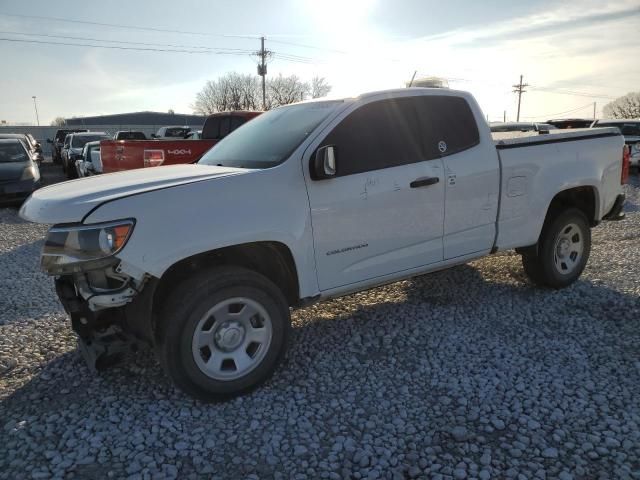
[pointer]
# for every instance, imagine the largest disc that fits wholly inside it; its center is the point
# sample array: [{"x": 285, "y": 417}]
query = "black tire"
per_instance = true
[
  {"x": 70, "y": 170},
  {"x": 540, "y": 266},
  {"x": 186, "y": 307}
]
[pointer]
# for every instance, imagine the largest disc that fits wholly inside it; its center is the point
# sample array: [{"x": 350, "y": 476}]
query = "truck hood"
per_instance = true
[{"x": 70, "y": 202}]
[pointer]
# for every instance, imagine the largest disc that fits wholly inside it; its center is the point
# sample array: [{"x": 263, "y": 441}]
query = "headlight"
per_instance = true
[
  {"x": 67, "y": 249},
  {"x": 29, "y": 173}
]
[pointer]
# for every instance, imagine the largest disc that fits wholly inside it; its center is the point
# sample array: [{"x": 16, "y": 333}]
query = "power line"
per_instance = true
[
  {"x": 126, "y": 42},
  {"x": 287, "y": 58},
  {"x": 130, "y": 27},
  {"x": 551, "y": 115},
  {"x": 572, "y": 92},
  {"x": 116, "y": 47},
  {"x": 314, "y": 47}
]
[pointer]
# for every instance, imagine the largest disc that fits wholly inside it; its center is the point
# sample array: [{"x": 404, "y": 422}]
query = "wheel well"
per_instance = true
[
  {"x": 271, "y": 259},
  {"x": 583, "y": 198}
]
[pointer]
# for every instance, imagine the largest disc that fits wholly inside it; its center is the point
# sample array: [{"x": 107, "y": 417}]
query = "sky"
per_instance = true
[{"x": 572, "y": 54}]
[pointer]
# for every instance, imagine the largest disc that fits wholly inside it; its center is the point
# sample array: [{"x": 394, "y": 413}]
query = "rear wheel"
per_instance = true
[
  {"x": 223, "y": 332},
  {"x": 563, "y": 250},
  {"x": 70, "y": 169}
]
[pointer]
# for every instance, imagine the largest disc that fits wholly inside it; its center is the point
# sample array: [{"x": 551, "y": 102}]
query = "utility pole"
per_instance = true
[
  {"x": 594, "y": 110},
  {"x": 504, "y": 116},
  {"x": 519, "y": 89},
  {"x": 262, "y": 70},
  {"x": 35, "y": 105}
]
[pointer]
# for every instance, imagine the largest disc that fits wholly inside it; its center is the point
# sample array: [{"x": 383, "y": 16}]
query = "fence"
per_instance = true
[{"x": 43, "y": 133}]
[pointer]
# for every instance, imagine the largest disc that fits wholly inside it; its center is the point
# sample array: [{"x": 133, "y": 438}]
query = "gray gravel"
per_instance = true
[{"x": 466, "y": 373}]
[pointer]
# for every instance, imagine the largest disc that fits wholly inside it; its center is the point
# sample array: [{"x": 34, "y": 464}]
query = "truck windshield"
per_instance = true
[
  {"x": 267, "y": 140},
  {"x": 12, "y": 152}
]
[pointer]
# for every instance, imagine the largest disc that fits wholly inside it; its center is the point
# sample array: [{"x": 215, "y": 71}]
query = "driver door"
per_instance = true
[{"x": 383, "y": 211}]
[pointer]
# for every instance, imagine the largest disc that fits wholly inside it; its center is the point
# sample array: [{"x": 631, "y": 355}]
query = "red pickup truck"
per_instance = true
[{"x": 118, "y": 155}]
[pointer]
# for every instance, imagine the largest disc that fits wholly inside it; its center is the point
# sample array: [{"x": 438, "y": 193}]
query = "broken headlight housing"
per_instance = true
[{"x": 69, "y": 249}]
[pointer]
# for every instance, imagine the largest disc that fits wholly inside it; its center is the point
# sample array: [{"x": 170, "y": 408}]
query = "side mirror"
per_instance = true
[
  {"x": 153, "y": 135},
  {"x": 323, "y": 163}
]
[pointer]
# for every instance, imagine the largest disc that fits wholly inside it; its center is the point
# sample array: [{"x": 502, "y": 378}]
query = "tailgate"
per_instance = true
[{"x": 119, "y": 155}]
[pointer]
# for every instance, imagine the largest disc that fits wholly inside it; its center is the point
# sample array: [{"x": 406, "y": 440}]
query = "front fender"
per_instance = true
[{"x": 179, "y": 222}]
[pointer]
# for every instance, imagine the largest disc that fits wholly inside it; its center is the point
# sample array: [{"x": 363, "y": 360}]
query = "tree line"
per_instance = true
[
  {"x": 624, "y": 107},
  {"x": 240, "y": 91}
]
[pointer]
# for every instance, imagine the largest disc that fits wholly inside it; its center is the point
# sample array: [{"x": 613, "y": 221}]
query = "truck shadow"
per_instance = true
[
  {"x": 458, "y": 340},
  {"x": 419, "y": 325}
]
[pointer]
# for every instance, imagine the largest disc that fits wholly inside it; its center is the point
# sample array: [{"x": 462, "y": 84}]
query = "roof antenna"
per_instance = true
[{"x": 412, "y": 78}]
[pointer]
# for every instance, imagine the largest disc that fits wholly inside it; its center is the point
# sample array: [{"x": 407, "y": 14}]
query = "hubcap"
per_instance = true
[
  {"x": 232, "y": 338},
  {"x": 568, "y": 249},
  {"x": 229, "y": 336}
]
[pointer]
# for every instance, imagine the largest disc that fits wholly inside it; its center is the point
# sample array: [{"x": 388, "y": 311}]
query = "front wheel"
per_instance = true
[
  {"x": 223, "y": 332},
  {"x": 563, "y": 250}
]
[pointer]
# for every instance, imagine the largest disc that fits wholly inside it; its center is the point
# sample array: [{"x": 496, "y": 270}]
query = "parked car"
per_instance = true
[
  {"x": 129, "y": 154},
  {"x": 26, "y": 141},
  {"x": 19, "y": 173},
  {"x": 171, "y": 132},
  {"x": 72, "y": 149},
  {"x": 89, "y": 163},
  {"x": 312, "y": 201},
  {"x": 58, "y": 142},
  {"x": 631, "y": 131},
  {"x": 521, "y": 127},
  {"x": 194, "y": 135},
  {"x": 129, "y": 135},
  {"x": 571, "y": 123},
  {"x": 36, "y": 148}
]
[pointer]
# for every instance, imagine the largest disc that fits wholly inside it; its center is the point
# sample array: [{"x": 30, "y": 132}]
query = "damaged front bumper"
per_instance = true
[{"x": 109, "y": 321}]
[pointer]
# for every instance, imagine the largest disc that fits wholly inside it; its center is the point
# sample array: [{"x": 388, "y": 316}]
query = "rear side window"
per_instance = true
[
  {"x": 401, "y": 131},
  {"x": 236, "y": 122},
  {"x": 176, "y": 132},
  {"x": 211, "y": 128},
  {"x": 449, "y": 120},
  {"x": 131, "y": 136},
  {"x": 225, "y": 126}
]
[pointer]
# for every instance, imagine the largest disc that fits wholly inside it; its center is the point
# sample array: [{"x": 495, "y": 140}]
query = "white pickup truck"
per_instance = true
[{"x": 307, "y": 202}]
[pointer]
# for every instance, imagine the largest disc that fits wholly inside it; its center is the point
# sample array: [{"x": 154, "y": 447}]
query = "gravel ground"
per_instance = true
[{"x": 467, "y": 373}]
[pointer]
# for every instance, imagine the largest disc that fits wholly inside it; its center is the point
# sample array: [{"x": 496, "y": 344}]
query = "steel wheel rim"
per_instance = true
[
  {"x": 568, "y": 249},
  {"x": 232, "y": 338}
]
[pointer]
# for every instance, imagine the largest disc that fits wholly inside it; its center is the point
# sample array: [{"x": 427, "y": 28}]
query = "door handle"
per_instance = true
[{"x": 424, "y": 182}]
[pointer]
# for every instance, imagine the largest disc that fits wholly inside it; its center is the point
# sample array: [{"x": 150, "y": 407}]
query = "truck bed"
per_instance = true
[
  {"x": 504, "y": 140},
  {"x": 535, "y": 167}
]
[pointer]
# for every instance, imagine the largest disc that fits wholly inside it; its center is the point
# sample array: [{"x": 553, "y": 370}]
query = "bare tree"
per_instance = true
[
  {"x": 237, "y": 91},
  {"x": 285, "y": 90},
  {"x": 624, "y": 107},
  {"x": 233, "y": 91},
  {"x": 319, "y": 87},
  {"x": 58, "y": 122}
]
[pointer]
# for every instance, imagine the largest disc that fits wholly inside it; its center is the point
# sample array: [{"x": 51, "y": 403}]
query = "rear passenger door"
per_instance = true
[
  {"x": 472, "y": 174},
  {"x": 383, "y": 211}
]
